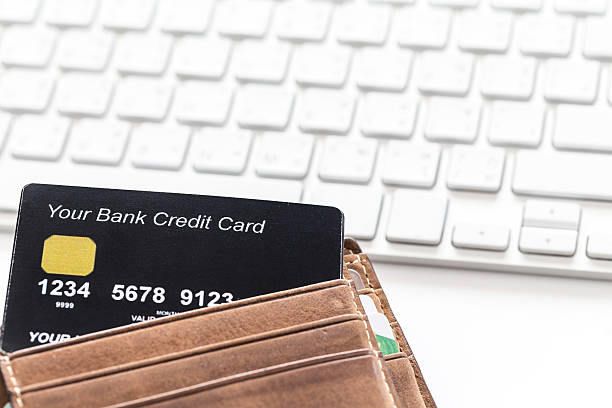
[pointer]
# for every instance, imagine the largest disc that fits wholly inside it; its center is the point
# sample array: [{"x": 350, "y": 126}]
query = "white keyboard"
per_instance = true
[{"x": 463, "y": 133}]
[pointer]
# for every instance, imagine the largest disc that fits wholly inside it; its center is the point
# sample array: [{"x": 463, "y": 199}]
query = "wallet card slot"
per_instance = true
[
  {"x": 314, "y": 382},
  {"x": 358, "y": 264},
  {"x": 405, "y": 380},
  {"x": 326, "y": 337},
  {"x": 182, "y": 332},
  {"x": 395, "y": 356},
  {"x": 356, "y": 278},
  {"x": 370, "y": 293},
  {"x": 347, "y": 328},
  {"x": 208, "y": 366}
]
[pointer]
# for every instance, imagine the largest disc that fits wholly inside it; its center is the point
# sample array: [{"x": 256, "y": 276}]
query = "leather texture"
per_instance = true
[
  {"x": 292, "y": 348},
  {"x": 322, "y": 384}
]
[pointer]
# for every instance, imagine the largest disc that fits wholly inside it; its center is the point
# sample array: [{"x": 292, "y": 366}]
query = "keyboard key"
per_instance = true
[
  {"x": 302, "y": 21},
  {"x": 38, "y": 138},
  {"x": 25, "y": 91},
  {"x": 484, "y": 33},
  {"x": 261, "y": 62},
  {"x": 242, "y": 19},
  {"x": 581, "y": 7},
  {"x": 83, "y": 94},
  {"x": 487, "y": 237},
  {"x": 145, "y": 54},
  {"x": 18, "y": 11},
  {"x": 452, "y": 120},
  {"x": 599, "y": 246},
  {"x": 381, "y": 70},
  {"x": 362, "y": 24},
  {"x": 321, "y": 66},
  {"x": 409, "y": 165},
  {"x": 455, "y": 3},
  {"x": 610, "y": 91},
  {"x": 598, "y": 32},
  {"x": 284, "y": 155},
  {"x": 71, "y": 13},
  {"x": 564, "y": 175},
  {"x": 388, "y": 115},
  {"x": 142, "y": 99},
  {"x": 396, "y": 2},
  {"x": 205, "y": 103},
  {"x": 185, "y": 16},
  {"x": 349, "y": 162},
  {"x": 546, "y": 241},
  {"x": 582, "y": 128},
  {"x": 325, "y": 111},
  {"x": 159, "y": 147},
  {"x": 515, "y": 124},
  {"x": 571, "y": 81},
  {"x": 476, "y": 169},
  {"x": 423, "y": 28},
  {"x": 445, "y": 75},
  {"x": 98, "y": 142},
  {"x": 263, "y": 107},
  {"x": 550, "y": 214},
  {"x": 416, "y": 218},
  {"x": 202, "y": 57},
  {"x": 23, "y": 46},
  {"x": 517, "y": 5},
  {"x": 545, "y": 36},
  {"x": 361, "y": 206},
  {"x": 84, "y": 51},
  {"x": 508, "y": 78},
  {"x": 5, "y": 123},
  {"x": 127, "y": 14},
  {"x": 216, "y": 151}
]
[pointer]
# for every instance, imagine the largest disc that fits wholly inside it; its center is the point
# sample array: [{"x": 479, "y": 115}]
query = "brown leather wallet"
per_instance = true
[{"x": 305, "y": 347}]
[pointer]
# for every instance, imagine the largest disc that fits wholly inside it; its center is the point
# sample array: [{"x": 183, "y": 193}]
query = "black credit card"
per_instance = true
[{"x": 89, "y": 259}]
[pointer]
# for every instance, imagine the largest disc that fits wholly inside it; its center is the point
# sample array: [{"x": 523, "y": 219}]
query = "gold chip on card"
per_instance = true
[{"x": 69, "y": 255}]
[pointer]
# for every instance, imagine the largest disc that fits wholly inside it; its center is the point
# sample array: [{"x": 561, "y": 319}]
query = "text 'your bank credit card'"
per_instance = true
[{"x": 89, "y": 259}]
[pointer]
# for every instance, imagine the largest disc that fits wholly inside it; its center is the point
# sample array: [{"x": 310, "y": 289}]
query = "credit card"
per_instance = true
[
  {"x": 381, "y": 327},
  {"x": 89, "y": 259}
]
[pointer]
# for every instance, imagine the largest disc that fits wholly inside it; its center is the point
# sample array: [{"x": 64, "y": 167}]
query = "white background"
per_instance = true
[
  {"x": 498, "y": 340},
  {"x": 504, "y": 340}
]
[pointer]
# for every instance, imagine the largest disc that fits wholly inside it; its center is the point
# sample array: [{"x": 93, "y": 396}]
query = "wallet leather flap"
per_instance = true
[
  {"x": 405, "y": 380},
  {"x": 312, "y": 383},
  {"x": 329, "y": 336}
]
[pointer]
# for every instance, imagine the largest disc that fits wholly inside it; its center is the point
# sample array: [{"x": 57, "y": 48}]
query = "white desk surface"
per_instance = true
[{"x": 497, "y": 340}]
